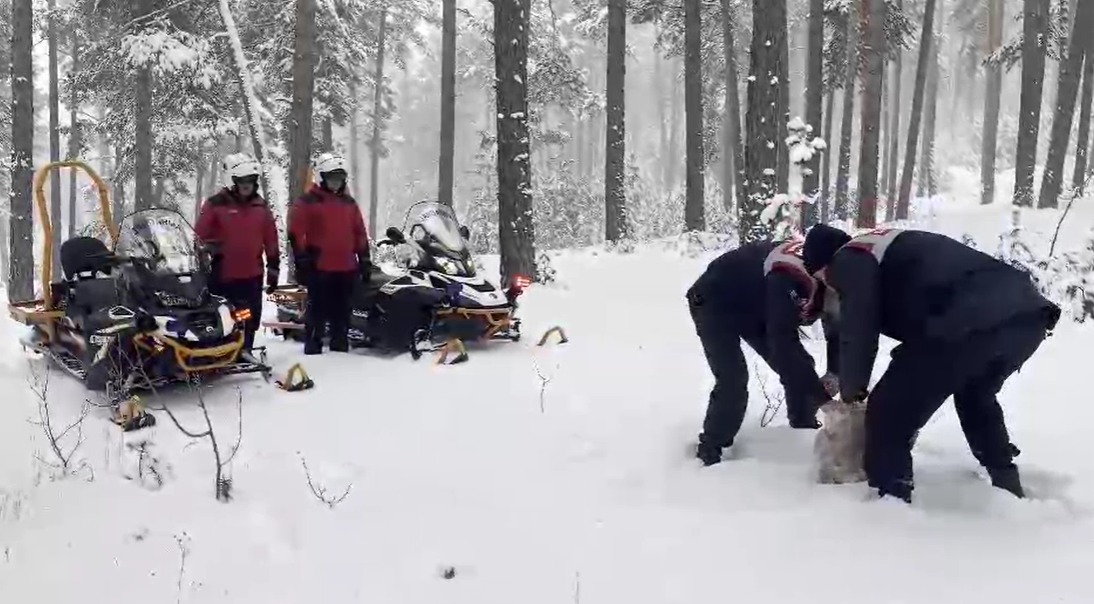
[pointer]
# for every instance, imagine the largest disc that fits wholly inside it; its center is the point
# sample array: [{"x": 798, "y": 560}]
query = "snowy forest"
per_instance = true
[{"x": 546, "y": 124}]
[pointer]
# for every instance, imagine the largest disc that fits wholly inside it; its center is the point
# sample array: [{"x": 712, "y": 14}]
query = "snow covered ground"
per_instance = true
[{"x": 560, "y": 474}]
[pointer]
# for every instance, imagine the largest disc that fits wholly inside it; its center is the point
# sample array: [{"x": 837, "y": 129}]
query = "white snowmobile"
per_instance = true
[{"x": 433, "y": 300}]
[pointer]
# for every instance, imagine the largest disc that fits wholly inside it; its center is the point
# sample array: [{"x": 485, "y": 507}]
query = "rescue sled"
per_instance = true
[
  {"x": 432, "y": 302},
  {"x": 134, "y": 316}
]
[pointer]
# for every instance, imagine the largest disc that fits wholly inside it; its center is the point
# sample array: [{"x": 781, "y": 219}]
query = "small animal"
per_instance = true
[{"x": 840, "y": 443}]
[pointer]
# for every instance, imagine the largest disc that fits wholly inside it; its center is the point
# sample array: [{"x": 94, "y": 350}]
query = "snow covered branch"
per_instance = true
[
  {"x": 58, "y": 438},
  {"x": 223, "y": 485},
  {"x": 320, "y": 491}
]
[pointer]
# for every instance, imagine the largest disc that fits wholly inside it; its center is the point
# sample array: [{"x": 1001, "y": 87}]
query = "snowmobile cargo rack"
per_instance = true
[{"x": 41, "y": 311}]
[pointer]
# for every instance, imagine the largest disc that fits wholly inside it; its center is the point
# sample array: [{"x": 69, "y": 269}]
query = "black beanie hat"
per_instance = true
[{"x": 821, "y": 243}]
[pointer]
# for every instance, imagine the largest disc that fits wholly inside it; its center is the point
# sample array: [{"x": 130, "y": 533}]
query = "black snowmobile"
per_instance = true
[
  {"x": 432, "y": 301},
  {"x": 141, "y": 316}
]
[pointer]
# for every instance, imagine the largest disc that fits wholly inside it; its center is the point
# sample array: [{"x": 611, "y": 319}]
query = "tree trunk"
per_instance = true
[
  {"x": 734, "y": 152},
  {"x": 75, "y": 138},
  {"x": 814, "y": 100},
  {"x": 1034, "y": 28},
  {"x": 673, "y": 160},
  {"x": 992, "y": 97},
  {"x": 328, "y": 135},
  {"x": 1064, "y": 117},
  {"x": 354, "y": 139},
  {"x": 214, "y": 173},
  {"x": 894, "y": 133},
  {"x": 662, "y": 121},
  {"x": 1078, "y": 178},
  {"x": 926, "y": 41},
  {"x": 143, "y": 193},
  {"x": 516, "y": 229},
  {"x": 926, "y": 164},
  {"x": 843, "y": 171},
  {"x": 303, "y": 87},
  {"x": 55, "y": 207},
  {"x": 826, "y": 174},
  {"x": 694, "y": 208},
  {"x": 783, "y": 170},
  {"x": 448, "y": 103},
  {"x": 615, "y": 221},
  {"x": 375, "y": 142},
  {"x": 117, "y": 194},
  {"x": 762, "y": 152},
  {"x": 886, "y": 133},
  {"x": 21, "y": 234},
  {"x": 866, "y": 216},
  {"x": 199, "y": 186},
  {"x": 250, "y": 104}
]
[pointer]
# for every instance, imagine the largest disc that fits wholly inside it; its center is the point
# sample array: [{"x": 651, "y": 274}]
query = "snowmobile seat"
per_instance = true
[
  {"x": 89, "y": 295},
  {"x": 85, "y": 258}
]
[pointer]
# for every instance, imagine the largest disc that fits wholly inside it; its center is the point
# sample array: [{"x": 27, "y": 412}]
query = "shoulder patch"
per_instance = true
[{"x": 876, "y": 241}]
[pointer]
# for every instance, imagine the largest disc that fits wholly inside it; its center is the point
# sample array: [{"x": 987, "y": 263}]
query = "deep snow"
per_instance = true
[{"x": 593, "y": 498}]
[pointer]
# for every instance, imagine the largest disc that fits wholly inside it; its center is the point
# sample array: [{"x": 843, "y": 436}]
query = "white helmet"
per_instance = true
[
  {"x": 240, "y": 165},
  {"x": 328, "y": 162}
]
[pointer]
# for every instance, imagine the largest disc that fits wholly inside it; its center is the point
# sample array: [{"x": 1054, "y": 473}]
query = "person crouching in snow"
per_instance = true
[
  {"x": 965, "y": 322},
  {"x": 331, "y": 250},
  {"x": 238, "y": 227},
  {"x": 759, "y": 293}
]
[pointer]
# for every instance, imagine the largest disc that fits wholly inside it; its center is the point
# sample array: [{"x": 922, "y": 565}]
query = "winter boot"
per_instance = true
[
  {"x": 312, "y": 347},
  {"x": 1008, "y": 480},
  {"x": 708, "y": 453},
  {"x": 339, "y": 345}
]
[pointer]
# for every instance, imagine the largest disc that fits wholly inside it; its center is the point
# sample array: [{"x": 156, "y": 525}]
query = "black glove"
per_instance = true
[
  {"x": 273, "y": 276},
  {"x": 304, "y": 266},
  {"x": 855, "y": 398},
  {"x": 364, "y": 266}
]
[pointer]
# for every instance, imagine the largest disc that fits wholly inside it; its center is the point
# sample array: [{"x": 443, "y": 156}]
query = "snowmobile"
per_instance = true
[
  {"x": 139, "y": 316},
  {"x": 433, "y": 301}
]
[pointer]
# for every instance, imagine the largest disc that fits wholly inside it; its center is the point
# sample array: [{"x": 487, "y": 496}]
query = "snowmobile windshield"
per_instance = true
[
  {"x": 160, "y": 240},
  {"x": 436, "y": 229}
]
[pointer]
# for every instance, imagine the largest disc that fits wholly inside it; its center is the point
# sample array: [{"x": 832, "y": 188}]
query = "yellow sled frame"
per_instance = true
[{"x": 40, "y": 312}]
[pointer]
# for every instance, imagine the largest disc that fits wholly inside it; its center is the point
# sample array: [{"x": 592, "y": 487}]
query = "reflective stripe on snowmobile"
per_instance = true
[{"x": 876, "y": 242}]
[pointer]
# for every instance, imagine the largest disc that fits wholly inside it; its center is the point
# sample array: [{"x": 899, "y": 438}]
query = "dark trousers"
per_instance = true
[
  {"x": 922, "y": 375},
  {"x": 243, "y": 293},
  {"x": 721, "y": 333},
  {"x": 329, "y": 308}
]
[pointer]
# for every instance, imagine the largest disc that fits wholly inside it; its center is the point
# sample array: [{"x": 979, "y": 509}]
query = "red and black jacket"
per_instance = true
[
  {"x": 327, "y": 231},
  {"x": 241, "y": 231}
]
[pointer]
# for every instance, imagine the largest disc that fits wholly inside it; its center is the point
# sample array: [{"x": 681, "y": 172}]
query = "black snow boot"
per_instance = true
[
  {"x": 339, "y": 345},
  {"x": 1008, "y": 480},
  {"x": 312, "y": 347},
  {"x": 708, "y": 453}
]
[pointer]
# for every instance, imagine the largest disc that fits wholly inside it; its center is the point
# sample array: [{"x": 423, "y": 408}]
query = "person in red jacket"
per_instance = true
[
  {"x": 331, "y": 252},
  {"x": 237, "y": 225}
]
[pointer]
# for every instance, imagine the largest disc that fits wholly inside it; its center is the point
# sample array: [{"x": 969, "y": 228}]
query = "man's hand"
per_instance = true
[
  {"x": 855, "y": 398},
  {"x": 830, "y": 383}
]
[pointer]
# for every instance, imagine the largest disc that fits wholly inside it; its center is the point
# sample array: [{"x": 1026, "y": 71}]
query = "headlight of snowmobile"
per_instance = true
[{"x": 448, "y": 266}]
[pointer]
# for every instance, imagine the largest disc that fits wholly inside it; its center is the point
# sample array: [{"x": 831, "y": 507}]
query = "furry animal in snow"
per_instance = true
[{"x": 840, "y": 443}]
